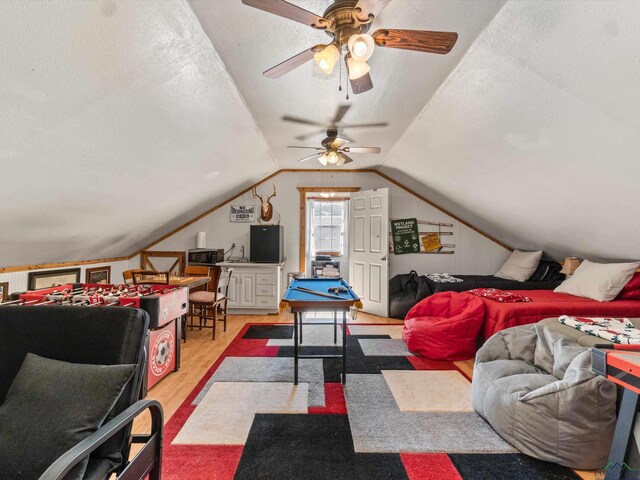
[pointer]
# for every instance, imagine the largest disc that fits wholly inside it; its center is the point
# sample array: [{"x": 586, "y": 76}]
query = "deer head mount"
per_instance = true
[{"x": 266, "y": 209}]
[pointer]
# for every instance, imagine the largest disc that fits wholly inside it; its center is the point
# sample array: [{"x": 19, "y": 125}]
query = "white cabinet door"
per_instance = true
[
  {"x": 247, "y": 292},
  {"x": 233, "y": 292},
  {"x": 369, "y": 249}
]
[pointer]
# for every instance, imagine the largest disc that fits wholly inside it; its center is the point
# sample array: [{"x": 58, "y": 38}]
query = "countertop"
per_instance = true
[{"x": 251, "y": 264}]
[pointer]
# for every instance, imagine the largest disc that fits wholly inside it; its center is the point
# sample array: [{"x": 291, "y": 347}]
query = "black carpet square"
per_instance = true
[
  {"x": 507, "y": 467},
  {"x": 269, "y": 332},
  {"x": 310, "y": 447},
  {"x": 357, "y": 361}
]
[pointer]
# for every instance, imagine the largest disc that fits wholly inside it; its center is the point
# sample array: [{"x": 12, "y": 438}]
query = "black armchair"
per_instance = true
[{"x": 90, "y": 335}]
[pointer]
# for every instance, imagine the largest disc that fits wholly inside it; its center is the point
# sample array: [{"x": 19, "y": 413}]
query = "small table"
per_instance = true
[
  {"x": 623, "y": 368},
  {"x": 189, "y": 282},
  {"x": 301, "y": 301}
]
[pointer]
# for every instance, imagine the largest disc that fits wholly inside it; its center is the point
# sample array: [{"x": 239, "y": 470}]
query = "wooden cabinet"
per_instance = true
[{"x": 255, "y": 288}]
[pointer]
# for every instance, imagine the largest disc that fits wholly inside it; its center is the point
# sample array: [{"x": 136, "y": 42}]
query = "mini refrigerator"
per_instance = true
[{"x": 267, "y": 243}]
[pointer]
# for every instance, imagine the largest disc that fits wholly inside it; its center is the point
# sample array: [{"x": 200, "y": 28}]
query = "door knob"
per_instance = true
[{"x": 383, "y": 258}]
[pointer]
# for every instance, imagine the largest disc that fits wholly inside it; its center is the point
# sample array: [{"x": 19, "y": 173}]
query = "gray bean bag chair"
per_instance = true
[{"x": 537, "y": 390}]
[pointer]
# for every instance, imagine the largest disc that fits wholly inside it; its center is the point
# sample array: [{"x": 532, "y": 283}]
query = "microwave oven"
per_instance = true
[{"x": 205, "y": 256}]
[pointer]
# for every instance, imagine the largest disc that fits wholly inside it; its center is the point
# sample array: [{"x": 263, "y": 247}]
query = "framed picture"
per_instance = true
[
  {"x": 4, "y": 291},
  {"x": 51, "y": 278},
  {"x": 98, "y": 275}
]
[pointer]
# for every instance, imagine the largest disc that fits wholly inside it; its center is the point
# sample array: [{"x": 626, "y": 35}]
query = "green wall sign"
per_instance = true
[{"x": 405, "y": 236}]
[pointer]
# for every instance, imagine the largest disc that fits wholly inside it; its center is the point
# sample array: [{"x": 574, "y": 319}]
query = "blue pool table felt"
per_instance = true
[{"x": 319, "y": 284}]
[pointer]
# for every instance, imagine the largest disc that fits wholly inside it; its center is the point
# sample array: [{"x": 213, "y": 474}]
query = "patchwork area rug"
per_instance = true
[{"x": 398, "y": 417}]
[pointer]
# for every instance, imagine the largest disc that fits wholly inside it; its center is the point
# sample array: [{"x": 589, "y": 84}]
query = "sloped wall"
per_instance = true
[
  {"x": 534, "y": 136},
  {"x": 474, "y": 254}
]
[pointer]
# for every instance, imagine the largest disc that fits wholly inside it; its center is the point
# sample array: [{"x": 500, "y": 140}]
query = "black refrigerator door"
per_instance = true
[{"x": 267, "y": 243}]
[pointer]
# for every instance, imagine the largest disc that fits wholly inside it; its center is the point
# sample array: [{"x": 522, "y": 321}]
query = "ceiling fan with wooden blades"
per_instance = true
[
  {"x": 347, "y": 23},
  {"x": 334, "y": 150},
  {"x": 335, "y": 123}
]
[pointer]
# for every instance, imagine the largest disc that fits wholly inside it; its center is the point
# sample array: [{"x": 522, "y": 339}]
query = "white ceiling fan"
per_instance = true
[{"x": 333, "y": 151}]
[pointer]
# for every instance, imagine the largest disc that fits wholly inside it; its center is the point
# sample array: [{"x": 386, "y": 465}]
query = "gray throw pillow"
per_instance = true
[{"x": 50, "y": 407}]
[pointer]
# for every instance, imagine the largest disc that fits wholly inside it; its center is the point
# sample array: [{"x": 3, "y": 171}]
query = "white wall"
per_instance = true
[
  {"x": 474, "y": 254},
  {"x": 18, "y": 281}
]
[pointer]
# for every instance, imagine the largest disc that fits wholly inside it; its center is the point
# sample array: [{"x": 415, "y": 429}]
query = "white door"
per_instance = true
[{"x": 369, "y": 249}]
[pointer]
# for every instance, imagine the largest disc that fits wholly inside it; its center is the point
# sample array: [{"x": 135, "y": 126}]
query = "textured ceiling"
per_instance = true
[
  {"x": 118, "y": 121},
  {"x": 121, "y": 120},
  {"x": 250, "y": 41},
  {"x": 534, "y": 137}
]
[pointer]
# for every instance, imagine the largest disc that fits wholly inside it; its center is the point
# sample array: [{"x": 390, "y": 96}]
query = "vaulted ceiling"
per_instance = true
[{"x": 120, "y": 120}]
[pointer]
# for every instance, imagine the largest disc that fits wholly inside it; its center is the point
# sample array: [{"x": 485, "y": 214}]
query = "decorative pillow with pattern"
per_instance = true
[{"x": 616, "y": 330}]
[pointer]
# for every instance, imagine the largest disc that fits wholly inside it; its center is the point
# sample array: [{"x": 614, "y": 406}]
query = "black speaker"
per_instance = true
[{"x": 267, "y": 243}]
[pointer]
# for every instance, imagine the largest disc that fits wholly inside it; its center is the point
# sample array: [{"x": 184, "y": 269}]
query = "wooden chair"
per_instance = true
[
  {"x": 223, "y": 295},
  {"x": 193, "y": 271},
  {"x": 196, "y": 271},
  {"x": 128, "y": 275},
  {"x": 208, "y": 301},
  {"x": 150, "y": 277}
]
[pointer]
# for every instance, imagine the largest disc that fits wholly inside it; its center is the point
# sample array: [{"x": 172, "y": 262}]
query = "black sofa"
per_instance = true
[
  {"x": 97, "y": 336},
  {"x": 405, "y": 290}
]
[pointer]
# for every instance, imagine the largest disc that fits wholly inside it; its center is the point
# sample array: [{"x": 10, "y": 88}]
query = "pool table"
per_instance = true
[{"x": 314, "y": 295}]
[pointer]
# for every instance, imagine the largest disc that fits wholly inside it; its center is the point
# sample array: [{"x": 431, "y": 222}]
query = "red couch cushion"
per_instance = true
[
  {"x": 444, "y": 326},
  {"x": 631, "y": 291}
]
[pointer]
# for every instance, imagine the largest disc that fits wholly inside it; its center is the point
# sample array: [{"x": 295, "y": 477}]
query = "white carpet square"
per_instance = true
[
  {"x": 225, "y": 414},
  {"x": 429, "y": 391},
  {"x": 384, "y": 347}
]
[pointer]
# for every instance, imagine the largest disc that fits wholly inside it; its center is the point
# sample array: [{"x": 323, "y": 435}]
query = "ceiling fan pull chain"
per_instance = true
[
  {"x": 340, "y": 76},
  {"x": 347, "y": 82}
]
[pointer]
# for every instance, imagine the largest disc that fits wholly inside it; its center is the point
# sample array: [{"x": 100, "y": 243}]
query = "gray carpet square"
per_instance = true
[
  {"x": 384, "y": 347},
  {"x": 378, "y": 425},
  {"x": 270, "y": 369}
]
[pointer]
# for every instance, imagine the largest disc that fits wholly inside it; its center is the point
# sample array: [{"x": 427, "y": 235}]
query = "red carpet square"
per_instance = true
[
  {"x": 202, "y": 462},
  {"x": 429, "y": 466}
]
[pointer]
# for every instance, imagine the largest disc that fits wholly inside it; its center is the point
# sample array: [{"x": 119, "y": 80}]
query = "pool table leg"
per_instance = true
[
  {"x": 335, "y": 327},
  {"x": 301, "y": 314},
  {"x": 344, "y": 347},
  {"x": 295, "y": 347}
]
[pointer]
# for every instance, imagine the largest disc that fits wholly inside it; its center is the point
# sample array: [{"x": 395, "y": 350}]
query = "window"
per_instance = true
[{"x": 327, "y": 227}]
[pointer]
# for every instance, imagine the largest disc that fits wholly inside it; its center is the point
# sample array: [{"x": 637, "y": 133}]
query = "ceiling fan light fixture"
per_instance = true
[
  {"x": 357, "y": 68},
  {"x": 323, "y": 159},
  {"x": 340, "y": 161},
  {"x": 327, "y": 58},
  {"x": 361, "y": 46},
  {"x": 332, "y": 158}
]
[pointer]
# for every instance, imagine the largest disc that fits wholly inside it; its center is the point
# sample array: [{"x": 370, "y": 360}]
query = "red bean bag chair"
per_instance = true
[{"x": 444, "y": 326}]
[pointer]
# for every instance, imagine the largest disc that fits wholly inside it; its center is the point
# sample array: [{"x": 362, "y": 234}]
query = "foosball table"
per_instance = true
[{"x": 165, "y": 304}]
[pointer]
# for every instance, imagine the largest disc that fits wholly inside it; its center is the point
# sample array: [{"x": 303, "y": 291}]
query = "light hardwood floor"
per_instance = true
[{"x": 200, "y": 352}]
